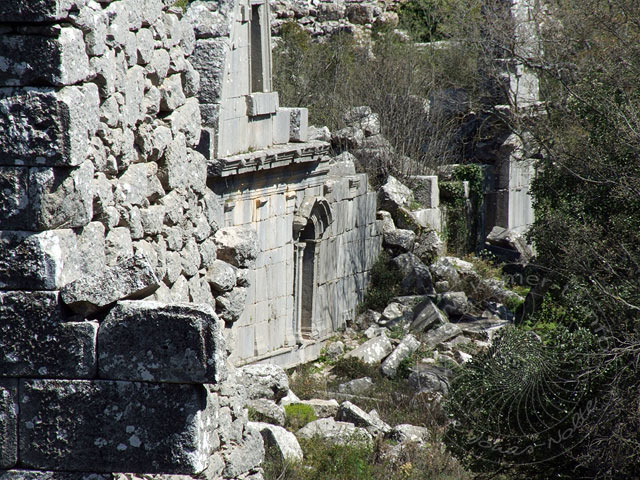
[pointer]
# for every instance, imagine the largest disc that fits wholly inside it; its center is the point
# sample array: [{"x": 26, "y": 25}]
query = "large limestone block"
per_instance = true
[
  {"x": 132, "y": 278},
  {"x": 47, "y": 127},
  {"x": 208, "y": 59},
  {"x": 278, "y": 437},
  {"x": 36, "y": 341},
  {"x": 49, "y": 260},
  {"x": 221, "y": 276},
  {"x": 427, "y": 316},
  {"x": 339, "y": 433},
  {"x": 36, "y": 10},
  {"x": 150, "y": 341},
  {"x": 8, "y": 423},
  {"x": 323, "y": 408},
  {"x": 107, "y": 426},
  {"x": 244, "y": 457},
  {"x": 393, "y": 194},
  {"x": 351, "y": 413},
  {"x": 372, "y": 351},
  {"x": 230, "y": 305},
  {"x": 442, "y": 334},
  {"x": 405, "y": 349},
  {"x": 38, "y": 60},
  {"x": 237, "y": 245},
  {"x": 416, "y": 276},
  {"x": 263, "y": 381}
]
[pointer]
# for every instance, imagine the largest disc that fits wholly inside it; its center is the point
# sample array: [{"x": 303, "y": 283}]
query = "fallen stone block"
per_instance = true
[
  {"x": 244, "y": 457},
  {"x": 8, "y": 423},
  {"x": 427, "y": 316},
  {"x": 221, "y": 276},
  {"x": 409, "y": 433},
  {"x": 372, "y": 351},
  {"x": 441, "y": 334},
  {"x": 416, "y": 278},
  {"x": 285, "y": 442},
  {"x": 106, "y": 426},
  {"x": 267, "y": 411},
  {"x": 154, "y": 342},
  {"x": 322, "y": 408},
  {"x": 263, "y": 381},
  {"x": 37, "y": 341},
  {"x": 357, "y": 386},
  {"x": 405, "y": 349},
  {"x": 430, "y": 379},
  {"x": 393, "y": 195},
  {"x": 132, "y": 278},
  {"x": 339, "y": 433},
  {"x": 399, "y": 240},
  {"x": 230, "y": 305},
  {"x": 454, "y": 304},
  {"x": 348, "y": 412},
  {"x": 46, "y": 127}
]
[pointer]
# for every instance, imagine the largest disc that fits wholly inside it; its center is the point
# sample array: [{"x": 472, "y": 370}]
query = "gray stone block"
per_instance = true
[
  {"x": 372, "y": 351},
  {"x": 38, "y": 60},
  {"x": 107, "y": 426},
  {"x": 149, "y": 341},
  {"x": 208, "y": 59},
  {"x": 8, "y": 423},
  {"x": 49, "y": 260},
  {"x": 50, "y": 475},
  {"x": 46, "y": 127},
  {"x": 37, "y": 341},
  {"x": 237, "y": 245},
  {"x": 132, "y": 278},
  {"x": 35, "y": 10}
]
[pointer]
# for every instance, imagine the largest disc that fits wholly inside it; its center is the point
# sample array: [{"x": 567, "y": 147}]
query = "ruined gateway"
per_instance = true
[{"x": 149, "y": 178}]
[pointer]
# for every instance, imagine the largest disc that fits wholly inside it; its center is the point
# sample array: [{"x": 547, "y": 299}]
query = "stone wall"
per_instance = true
[{"x": 103, "y": 201}]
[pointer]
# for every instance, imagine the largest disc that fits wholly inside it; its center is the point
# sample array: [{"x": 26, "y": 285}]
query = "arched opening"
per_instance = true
[{"x": 309, "y": 225}]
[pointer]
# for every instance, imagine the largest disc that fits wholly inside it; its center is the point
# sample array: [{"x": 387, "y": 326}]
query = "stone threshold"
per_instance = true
[
  {"x": 289, "y": 357},
  {"x": 268, "y": 158}
]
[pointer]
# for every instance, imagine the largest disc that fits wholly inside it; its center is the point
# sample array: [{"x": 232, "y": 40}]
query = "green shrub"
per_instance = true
[
  {"x": 298, "y": 415},
  {"x": 384, "y": 285},
  {"x": 352, "y": 367}
]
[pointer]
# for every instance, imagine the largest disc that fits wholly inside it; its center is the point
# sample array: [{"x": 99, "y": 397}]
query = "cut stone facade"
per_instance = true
[{"x": 161, "y": 217}]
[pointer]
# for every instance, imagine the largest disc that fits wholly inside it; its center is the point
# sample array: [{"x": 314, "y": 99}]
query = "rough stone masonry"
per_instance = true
[{"x": 155, "y": 206}]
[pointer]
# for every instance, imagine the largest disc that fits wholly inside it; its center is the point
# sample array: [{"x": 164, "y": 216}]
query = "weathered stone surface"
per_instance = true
[
  {"x": 134, "y": 277},
  {"x": 208, "y": 60},
  {"x": 348, "y": 412},
  {"x": 442, "y": 334},
  {"x": 342, "y": 165},
  {"x": 339, "y": 433},
  {"x": 430, "y": 378},
  {"x": 8, "y": 423},
  {"x": 267, "y": 411},
  {"x": 323, "y": 408},
  {"x": 149, "y": 341},
  {"x": 427, "y": 316},
  {"x": 106, "y": 426},
  {"x": 298, "y": 130},
  {"x": 231, "y": 304},
  {"x": 51, "y": 475},
  {"x": 35, "y": 10},
  {"x": 393, "y": 194},
  {"x": 237, "y": 246},
  {"x": 372, "y": 351},
  {"x": 51, "y": 259},
  {"x": 409, "y": 433},
  {"x": 515, "y": 245},
  {"x": 138, "y": 185},
  {"x": 416, "y": 276},
  {"x": 43, "y": 127},
  {"x": 348, "y": 137},
  {"x": 36, "y": 340},
  {"x": 286, "y": 442},
  {"x": 405, "y": 349},
  {"x": 454, "y": 303},
  {"x": 246, "y": 456},
  {"x": 335, "y": 350},
  {"x": 39, "y": 60},
  {"x": 365, "y": 319},
  {"x": 395, "y": 312},
  {"x": 428, "y": 245},
  {"x": 357, "y": 386},
  {"x": 263, "y": 381},
  {"x": 399, "y": 240},
  {"x": 221, "y": 276},
  {"x": 207, "y": 20}
]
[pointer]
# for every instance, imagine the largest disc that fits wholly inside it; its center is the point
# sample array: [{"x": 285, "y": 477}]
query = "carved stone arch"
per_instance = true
[
  {"x": 309, "y": 225},
  {"x": 312, "y": 218}
]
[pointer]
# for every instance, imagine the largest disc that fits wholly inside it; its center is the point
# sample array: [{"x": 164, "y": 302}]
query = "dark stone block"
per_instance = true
[
  {"x": 8, "y": 423},
  {"x": 107, "y": 426},
  {"x": 35, "y": 340},
  {"x": 34, "y": 10},
  {"x": 154, "y": 342}
]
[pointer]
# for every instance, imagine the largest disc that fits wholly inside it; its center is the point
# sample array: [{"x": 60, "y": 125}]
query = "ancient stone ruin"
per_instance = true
[{"x": 161, "y": 217}]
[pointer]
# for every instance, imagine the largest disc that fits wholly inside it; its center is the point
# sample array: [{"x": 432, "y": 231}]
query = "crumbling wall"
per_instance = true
[{"x": 103, "y": 202}]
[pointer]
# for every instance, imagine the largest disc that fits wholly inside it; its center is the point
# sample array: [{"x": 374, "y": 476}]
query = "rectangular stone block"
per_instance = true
[
  {"x": 154, "y": 342},
  {"x": 260, "y": 132},
  {"x": 281, "y": 121},
  {"x": 47, "y": 127},
  {"x": 8, "y": 423},
  {"x": 50, "y": 475},
  {"x": 263, "y": 103},
  {"x": 37, "y": 341},
  {"x": 208, "y": 59},
  {"x": 35, "y": 10},
  {"x": 49, "y": 260},
  {"x": 426, "y": 190},
  {"x": 31, "y": 60},
  {"x": 298, "y": 128},
  {"x": 108, "y": 426},
  {"x": 45, "y": 198}
]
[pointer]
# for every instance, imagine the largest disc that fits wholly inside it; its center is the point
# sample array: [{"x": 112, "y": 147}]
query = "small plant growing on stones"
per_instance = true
[{"x": 298, "y": 415}]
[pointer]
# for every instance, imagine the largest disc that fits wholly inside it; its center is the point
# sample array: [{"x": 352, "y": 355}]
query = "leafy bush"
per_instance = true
[
  {"x": 305, "y": 383},
  {"x": 351, "y": 368},
  {"x": 385, "y": 284},
  {"x": 298, "y": 415}
]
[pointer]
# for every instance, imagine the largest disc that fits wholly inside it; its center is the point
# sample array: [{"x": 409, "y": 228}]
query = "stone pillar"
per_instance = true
[{"x": 297, "y": 289}]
